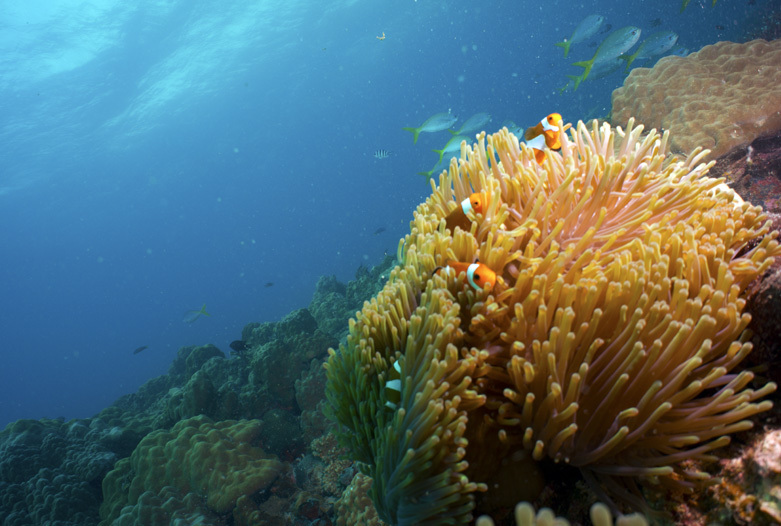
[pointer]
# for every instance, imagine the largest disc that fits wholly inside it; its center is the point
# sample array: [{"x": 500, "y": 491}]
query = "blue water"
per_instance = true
[{"x": 156, "y": 156}]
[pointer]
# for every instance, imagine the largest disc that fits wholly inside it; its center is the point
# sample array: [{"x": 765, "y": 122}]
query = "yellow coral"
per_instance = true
[
  {"x": 354, "y": 506},
  {"x": 606, "y": 344}
]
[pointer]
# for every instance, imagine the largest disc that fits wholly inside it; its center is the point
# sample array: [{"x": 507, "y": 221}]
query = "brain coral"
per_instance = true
[
  {"x": 720, "y": 97},
  {"x": 608, "y": 342},
  {"x": 219, "y": 461}
]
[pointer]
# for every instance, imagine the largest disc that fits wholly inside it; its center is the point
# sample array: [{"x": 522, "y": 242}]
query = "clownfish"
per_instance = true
[
  {"x": 460, "y": 216},
  {"x": 545, "y": 134},
  {"x": 477, "y": 274},
  {"x": 393, "y": 387}
]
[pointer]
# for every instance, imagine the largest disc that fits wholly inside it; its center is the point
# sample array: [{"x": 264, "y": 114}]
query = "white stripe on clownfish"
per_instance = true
[{"x": 393, "y": 387}]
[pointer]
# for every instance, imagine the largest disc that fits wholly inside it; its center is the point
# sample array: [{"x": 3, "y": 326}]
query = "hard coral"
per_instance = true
[
  {"x": 722, "y": 96},
  {"x": 50, "y": 471},
  {"x": 219, "y": 461},
  {"x": 608, "y": 342}
]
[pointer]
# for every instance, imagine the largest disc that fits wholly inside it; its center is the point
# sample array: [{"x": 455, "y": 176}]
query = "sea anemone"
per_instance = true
[{"x": 610, "y": 341}]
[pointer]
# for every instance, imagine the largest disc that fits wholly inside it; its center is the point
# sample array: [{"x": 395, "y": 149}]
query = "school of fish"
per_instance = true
[{"x": 613, "y": 52}]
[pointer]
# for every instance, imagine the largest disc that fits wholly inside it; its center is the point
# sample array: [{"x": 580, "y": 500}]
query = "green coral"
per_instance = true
[{"x": 218, "y": 461}]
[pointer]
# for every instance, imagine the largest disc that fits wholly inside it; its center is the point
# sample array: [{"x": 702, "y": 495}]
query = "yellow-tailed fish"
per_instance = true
[
  {"x": 438, "y": 168},
  {"x": 435, "y": 123},
  {"x": 686, "y": 2},
  {"x": 617, "y": 43},
  {"x": 600, "y": 70},
  {"x": 655, "y": 45},
  {"x": 475, "y": 123},
  {"x": 585, "y": 30},
  {"x": 192, "y": 315},
  {"x": 452, "y": 146}
]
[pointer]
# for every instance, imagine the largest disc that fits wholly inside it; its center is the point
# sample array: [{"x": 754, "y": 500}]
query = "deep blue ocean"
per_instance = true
[{"x": 156, "y": 156}]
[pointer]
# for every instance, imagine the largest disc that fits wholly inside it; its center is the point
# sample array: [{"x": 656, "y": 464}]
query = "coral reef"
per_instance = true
[
  {"x": 754, "y": 172},
  {"x": 50, "y": 471},
  {"x": 608, "y": 343},
  {"x": 216, "y": 461},
  {"x": 355, "y": 506},
  {"x": 722, "y": 96},
  {"x": 334, "y": 302}
]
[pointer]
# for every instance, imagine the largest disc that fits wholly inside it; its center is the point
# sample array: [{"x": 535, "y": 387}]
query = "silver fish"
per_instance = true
[
  {"x": 585, "y": 30},
  {"x": 435, "y": 123},
  {"x": 617, "y": 43},
  {"x": 657, "y": 44},
  {"x": 474, "y": 123},
  {"x": 191, "y": 315},
  {"x": 381, "y": 154}
]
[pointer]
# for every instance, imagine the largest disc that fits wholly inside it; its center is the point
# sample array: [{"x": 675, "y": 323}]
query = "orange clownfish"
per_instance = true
[
  {"x": 460, "y": 216},
  {"x": 545, "y": 134},
  {"x": 477, "y": 274},
  {"x": 393, "y": 387}
]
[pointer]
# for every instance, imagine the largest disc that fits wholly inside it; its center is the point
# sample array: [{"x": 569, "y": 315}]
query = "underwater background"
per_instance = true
[
  {"x": 164, "y": 155},
  {"x": 196, "y": 197}
]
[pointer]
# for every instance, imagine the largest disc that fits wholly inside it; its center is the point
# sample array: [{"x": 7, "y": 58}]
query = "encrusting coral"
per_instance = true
[
  {"x": 720, "y": 97},
  {"x": 608, "y": 342},
  {"x": 218, "y": 462}
]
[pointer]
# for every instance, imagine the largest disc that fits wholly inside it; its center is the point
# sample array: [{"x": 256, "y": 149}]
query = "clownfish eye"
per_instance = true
[{"x": 477, "y": 277}]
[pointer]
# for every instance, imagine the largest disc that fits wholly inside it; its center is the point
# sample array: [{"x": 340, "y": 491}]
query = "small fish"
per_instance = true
[
  {"x": 617, "y": 43},
  {"x": 379, "y": 230},
  {"x": 680, "y": 51},
  {"x": 435, "y": 123},
  {"x": 269, "y": 284},
  {"x": 439, "y": 167},
  {"x": 239, "y": 346},
  {"x": 452, "y": 146},
  {"x": 585, "y": 30},
  {"x": 686, "y": 2},
  {"x": 656, "y": 22},
  {"x": 140, "y": 349},
  {"x": 382, "y": 37},
  {"x": 657, "y": 44},
  {"x": 545, "y": 134},
  {"x": 600, "y": 70},
  {"x": 513, "y": 128},
  {"x": 381, "y": 154},
  {"x": 191, "y": 315},
  {"x": 474, "y": 123},
  {"x": 393, "y": 387},
  {"x": 477, "y": 274},
  {"x": 474, "y": 204}
]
